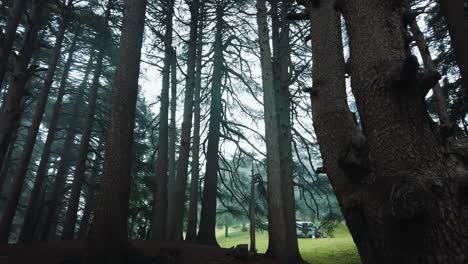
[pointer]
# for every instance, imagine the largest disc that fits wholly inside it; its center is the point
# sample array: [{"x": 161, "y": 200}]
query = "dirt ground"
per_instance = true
[{"x": 151, "y": 252}]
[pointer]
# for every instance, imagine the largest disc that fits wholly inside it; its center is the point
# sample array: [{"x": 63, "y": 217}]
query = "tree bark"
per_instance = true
[
  {"x": 405, "y": 184},
  {"x": 80, "y": 169},
  {"x": 207, "y": 232},
  {"x": 22, "y": 72},
  {"x": 331, "y": 112},
  {"x": 275, "y": 79},
  {"x": 458, "y": 26},
  {"x": 20, "y": 174},
  {"x": 160, "y": 206},
  {"x": 7, "y": 38},
  {"x": 27, "y": 229},
  {"x": 176, "y": 223},
  {"x": 107, "y": 239},
  {"x": 193, "y": 203}
]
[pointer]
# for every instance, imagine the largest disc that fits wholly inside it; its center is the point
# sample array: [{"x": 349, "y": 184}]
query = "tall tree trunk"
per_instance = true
[
  {"x": 27, "y": 230},
  {"x": 253, "y": 248},
  {"x": 5, "y": 166},
  {"x": 51, "y": 214},
  {"x": 275, "y": 78},
  {"x": 108, "y": 236},
  {"x": 438, "y": 96},
  {"x": 404, "y": 183},
  {"x": 226, "y": 226},
  {"x": 172, "y": 137},
  {"x": 160, "y": 206},
  {"x": 207, "y": 232},
  {"x": 331, "y": 113},
  {"x": 193, "y": 203},
  {"x": 20, "y": 175},
  {"x": 80, "y": 169},
  {"x": 90, "y": 199},
  {"x": 458, "y": 28},
  {"x": 7, "y": 38},
  {"x": 175, "y": 224},
  {"x": 87, "y": 210},
  {"x": 281, "y": 66},
  {"x": 22, "y": 72}
]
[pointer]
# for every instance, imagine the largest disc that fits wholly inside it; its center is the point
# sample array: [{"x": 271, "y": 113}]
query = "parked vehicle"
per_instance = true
[{"x": 308, "y": 230}]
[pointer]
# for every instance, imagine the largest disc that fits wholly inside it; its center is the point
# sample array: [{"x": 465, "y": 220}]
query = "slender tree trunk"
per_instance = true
[
  {"x": 438, "y": 96},
  {"x": 87, "y": 210},
  {"x": 275, "y": 78},
  {"x": 405, "y": 184},
  {"x": 80, "y": 169},
  {"x": 270, "y": 113},
  {"x": 7, "y": 38},
  {"x": 22, "y": 72},
  {"x": 90, "y": 199},
  {"x": 207, "y": 232},
  {"x": 193, "y": 206},
  {"x": 281, "y": 66},
  {"x": 176, "y": 223},
  {"x": 172, "y": 137},
  {"x": 160, "y": 206},
  {"x": 458, "y": 26},
  {"x": 226, "y": 226},
  {"x": 20, "y": 175},
  {"x": 39, "y": 223},
  {"x": 253, "y": 248},
  {"x": 107, "y": 239},
  {"x": 4, "y": 167},
  {"x": 40, "y": 205},
  {"x": 27, "y": 230},
  {"x": 52, "y": 210},
  {"x": 8, "y": 158}
]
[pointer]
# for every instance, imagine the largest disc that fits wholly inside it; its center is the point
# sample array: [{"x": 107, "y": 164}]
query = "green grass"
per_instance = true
[{"x": 337, "y": 250}]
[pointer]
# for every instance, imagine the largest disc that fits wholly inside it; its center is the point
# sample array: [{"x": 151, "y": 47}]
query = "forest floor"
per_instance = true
[
  {"x": 339, "y": 249},
  {"x": 148, "y": 252}
]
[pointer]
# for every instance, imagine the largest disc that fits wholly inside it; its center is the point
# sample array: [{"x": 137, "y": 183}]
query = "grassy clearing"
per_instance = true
[{"x": 337, "y": 250}]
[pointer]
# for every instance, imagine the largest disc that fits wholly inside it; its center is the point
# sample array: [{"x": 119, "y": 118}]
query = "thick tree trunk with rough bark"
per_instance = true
[
  {"x": 160, "y": 205},
  {"x": 80, "y": 169},
  {"x": 331, "y": 113},
  {"x": 458, "y": 27},
  {"x": 107, "y": 240},
  {"x": 193, "y": 202},
  {"x": 176, "y": 223},
  {"x": 399, "y": 177},
  {"x": 27, "y": 230},
  {"x": 207, "y": 232},
  {"x": 7, "y": 38},
  {"x": 275, "y": 79},
  {"x": 22, "y": 72},
  {"x": 20, "y": 174}
]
